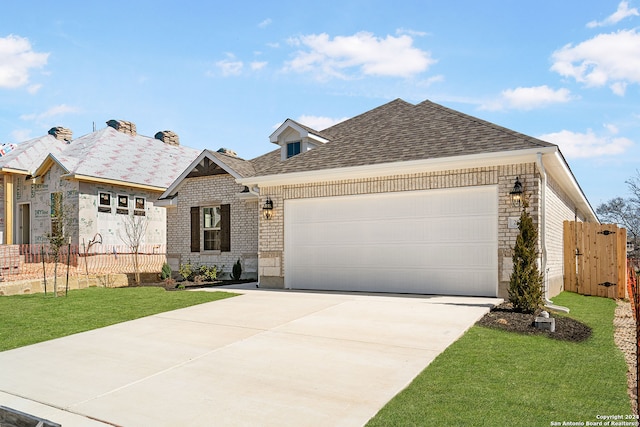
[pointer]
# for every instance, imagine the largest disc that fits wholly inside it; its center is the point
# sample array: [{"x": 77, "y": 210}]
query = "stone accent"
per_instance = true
[
  {"x": 215, "y": 190},
  {"x": 168, "y": 137},
  {"x": 271, "y": 232},
  {"x": 123, "y": 126},
  {"x": 61, "y": 134}
]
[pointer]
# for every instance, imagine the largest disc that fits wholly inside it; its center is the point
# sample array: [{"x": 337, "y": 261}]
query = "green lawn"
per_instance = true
[
  {"x": 28, "y": 319},
  {"x": 497, "y": 378}
]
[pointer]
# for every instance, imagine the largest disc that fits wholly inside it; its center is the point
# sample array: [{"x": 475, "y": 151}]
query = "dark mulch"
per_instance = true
[
  {"x": 505, "y": 318},
  {"x": 178, "y": 286}
]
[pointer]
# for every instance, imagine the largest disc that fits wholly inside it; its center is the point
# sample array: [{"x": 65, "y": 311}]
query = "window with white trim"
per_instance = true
[
  {"x": 104, "y": 202},
  {"x": 123, "y": 204},
  {"x": 293, "y": 148},
  {"x": 139, "y": 207},
  {"x": 211, "y": 228}
]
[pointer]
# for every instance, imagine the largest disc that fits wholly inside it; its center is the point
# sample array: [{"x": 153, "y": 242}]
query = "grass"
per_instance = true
[
  {"x": 490, "y": 377},
  {"x": 29, "y": 319}
]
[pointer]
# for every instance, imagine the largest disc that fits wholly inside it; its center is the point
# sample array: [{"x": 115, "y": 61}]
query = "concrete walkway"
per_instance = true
[{"x": 265, "y": 358}]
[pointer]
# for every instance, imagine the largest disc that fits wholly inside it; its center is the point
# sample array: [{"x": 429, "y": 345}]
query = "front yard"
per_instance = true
[
  {"x": 493, "y": 377},
  {"x": 29, "y": 319}
]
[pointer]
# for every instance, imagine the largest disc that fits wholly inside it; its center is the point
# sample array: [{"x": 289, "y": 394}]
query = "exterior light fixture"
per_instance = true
[
  {"x": 267, "y": 209},
  {"x": 516, "y": 194}
]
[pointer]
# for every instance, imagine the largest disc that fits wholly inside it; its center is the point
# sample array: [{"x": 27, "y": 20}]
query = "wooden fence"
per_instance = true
[{"x": 595, "y": 259}]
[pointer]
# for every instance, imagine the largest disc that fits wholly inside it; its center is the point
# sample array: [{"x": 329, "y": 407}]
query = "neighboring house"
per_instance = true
[
  {"x": 403, "y": 198},
  {"x": 104, "y": 180}
]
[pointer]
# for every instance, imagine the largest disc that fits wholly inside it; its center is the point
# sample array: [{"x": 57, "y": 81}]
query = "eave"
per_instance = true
[{"x": 107, "y": 181}]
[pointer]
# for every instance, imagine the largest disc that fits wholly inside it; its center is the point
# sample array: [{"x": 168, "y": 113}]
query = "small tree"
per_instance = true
[
  {"x": 525, "y": 284},
  {"x": 135, "y": 228},
  {"x": 59, "y": 234}
]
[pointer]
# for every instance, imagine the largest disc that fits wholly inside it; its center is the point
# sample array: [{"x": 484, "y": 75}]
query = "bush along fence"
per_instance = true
[{"x": 21, "y": 262}]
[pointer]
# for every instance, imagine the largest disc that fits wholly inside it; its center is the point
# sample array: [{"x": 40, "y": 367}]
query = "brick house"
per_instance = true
[
  {"x": 403, "y": 198},
  {"x": 103, "y": 179}
]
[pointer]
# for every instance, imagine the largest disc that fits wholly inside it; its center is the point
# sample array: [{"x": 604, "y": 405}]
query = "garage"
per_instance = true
[{"x": 441, "y": 241}]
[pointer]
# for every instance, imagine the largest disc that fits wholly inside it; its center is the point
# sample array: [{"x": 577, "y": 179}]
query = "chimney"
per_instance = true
[
  {"x": 123, "y": 126},
  {"x": 228, "y": 152},
  {"x": 168, "y": 137},
  {"x": 61, "y": 134}
]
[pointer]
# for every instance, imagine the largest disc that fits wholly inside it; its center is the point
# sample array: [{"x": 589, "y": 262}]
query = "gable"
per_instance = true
[{"x": 206, "y": 167}]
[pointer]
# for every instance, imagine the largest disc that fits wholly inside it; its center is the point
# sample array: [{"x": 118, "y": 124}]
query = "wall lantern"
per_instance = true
[
  {"x": 267, "y": 209},
  {"x": 516, "y": 194}
]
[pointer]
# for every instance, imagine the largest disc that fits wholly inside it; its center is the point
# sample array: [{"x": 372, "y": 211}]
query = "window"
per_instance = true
[
  {"x": 104, "y": 202},
  {"x": 293, "y": 148},
  {"x": 139, "y": 206},
  {"x": 56, "y": 214},
  {"x": 213, "y": 229},
  {"x": 123, "y": 205}
]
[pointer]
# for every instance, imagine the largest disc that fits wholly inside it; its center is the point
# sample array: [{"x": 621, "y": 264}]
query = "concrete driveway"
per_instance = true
[{"x": 270, "y": 358}]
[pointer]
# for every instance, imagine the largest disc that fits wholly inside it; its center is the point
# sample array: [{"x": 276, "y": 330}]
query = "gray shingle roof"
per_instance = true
[{"x": 399, "y": 131}]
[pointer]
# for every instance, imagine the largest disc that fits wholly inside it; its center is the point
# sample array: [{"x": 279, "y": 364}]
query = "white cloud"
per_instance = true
[
  {"x": 33, "y": 89},
  {"x": 17, "y": 58},
  {"x": 58, "y": 110},
  {"x": 230, "y": 66},
  {"x": 370, "y": 55},
  {"x": 319, "y": 122},
  {"x": 622, "y": 12},
  {"x": 589, "y": 144},
  {"x": 411, "y": 32},
  {"x": 528, "y": 98},
  {"x": 258, "y": 65},
  {"x": 612, "y": 59},
  {"x": 265, "y": 23}
]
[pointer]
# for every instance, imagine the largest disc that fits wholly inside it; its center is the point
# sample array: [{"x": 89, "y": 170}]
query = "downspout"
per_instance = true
[{"x": 543, "y": 244}]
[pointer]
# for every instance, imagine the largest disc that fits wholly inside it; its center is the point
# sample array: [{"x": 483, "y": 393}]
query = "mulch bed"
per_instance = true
[{"x": 504, "y": 317}]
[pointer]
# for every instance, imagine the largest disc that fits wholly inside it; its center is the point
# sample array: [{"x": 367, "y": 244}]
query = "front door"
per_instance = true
[{"x": 24, "y": 224}]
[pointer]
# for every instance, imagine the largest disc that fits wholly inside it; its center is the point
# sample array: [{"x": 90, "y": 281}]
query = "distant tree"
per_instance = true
[
  {"x": 624, "y": 211},
  {"x": 525, "y": 284}
]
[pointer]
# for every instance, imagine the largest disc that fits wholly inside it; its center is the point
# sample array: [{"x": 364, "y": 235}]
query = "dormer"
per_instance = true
[{"x": 294, "y": 138}]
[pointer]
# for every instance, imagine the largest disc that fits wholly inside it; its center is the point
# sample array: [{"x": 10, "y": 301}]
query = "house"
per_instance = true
[
  {"x": 403, "y": 198},
  {"x": 103, "y": 180}
]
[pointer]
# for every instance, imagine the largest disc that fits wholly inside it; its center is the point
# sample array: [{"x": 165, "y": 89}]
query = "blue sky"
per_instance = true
[{"x": 225, "y": 74}]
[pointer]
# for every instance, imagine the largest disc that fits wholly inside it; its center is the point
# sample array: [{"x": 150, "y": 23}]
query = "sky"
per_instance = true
[{"x": 227, "y": 73}]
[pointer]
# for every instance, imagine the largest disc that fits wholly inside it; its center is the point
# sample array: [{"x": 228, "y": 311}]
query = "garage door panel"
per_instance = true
[{"x": 437, "y": 241}]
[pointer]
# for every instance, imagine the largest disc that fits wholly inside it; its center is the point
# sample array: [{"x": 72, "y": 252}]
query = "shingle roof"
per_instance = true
[
  {"x": 28, "y": 155},
  {"x": 399, "y": 131},
  {"x": 242, "y": 167},
  {"x": 109, "y": 154}
]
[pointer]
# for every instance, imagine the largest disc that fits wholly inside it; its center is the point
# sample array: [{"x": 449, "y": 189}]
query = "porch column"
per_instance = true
[{"x": 8, "y": 209}]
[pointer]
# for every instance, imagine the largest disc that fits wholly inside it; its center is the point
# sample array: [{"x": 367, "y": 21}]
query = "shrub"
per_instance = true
[
  {"x": 208, "y": 274},
  {"x": 236, "y": 271},
  {"x": 525, "y": 284},
  {"x": 186, "y": 271},
  {"x": 165, "y": 273}
]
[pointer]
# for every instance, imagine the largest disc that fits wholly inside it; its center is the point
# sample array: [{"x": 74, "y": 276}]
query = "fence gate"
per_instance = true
[{"x": 595, "y": 259}]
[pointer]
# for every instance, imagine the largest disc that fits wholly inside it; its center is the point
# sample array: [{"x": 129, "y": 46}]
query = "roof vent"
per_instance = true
[
  {"x": 61, "y": 134},
  {"x": 228, "y": 152},
  {"x": 168, "y": 137},
  {"x": 123, "y": 126}
]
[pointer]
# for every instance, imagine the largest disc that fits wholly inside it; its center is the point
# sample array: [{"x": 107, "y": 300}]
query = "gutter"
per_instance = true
[{"x": 543, "y": 244}]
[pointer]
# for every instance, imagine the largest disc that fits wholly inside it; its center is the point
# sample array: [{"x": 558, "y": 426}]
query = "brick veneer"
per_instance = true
[
  {"x": 271, "y": 232},
  {"x": 211, "y": 191}
]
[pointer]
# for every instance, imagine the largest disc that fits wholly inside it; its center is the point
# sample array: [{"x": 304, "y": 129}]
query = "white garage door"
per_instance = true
[{"x": 427, "y": 242}]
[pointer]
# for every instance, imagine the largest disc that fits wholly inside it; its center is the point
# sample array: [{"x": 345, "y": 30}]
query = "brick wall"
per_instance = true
[
  {"x": 212, "y": 191},
  {"x": 271, "y": 232}
]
